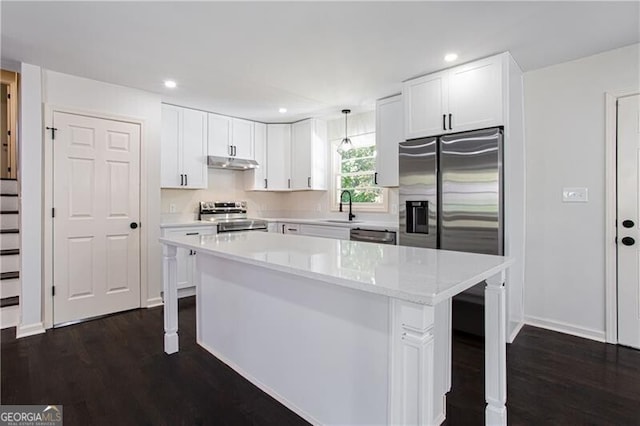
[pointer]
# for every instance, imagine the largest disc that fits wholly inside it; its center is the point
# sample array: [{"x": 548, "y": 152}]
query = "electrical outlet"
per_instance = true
[
  {"x": 172, "y": 208},
  {"x": 575, "y": 195}
]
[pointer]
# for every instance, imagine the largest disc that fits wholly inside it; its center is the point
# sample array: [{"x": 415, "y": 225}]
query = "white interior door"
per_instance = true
[
  {"x": 96, "y": 196},
  {"x": 628, "y": 218}
]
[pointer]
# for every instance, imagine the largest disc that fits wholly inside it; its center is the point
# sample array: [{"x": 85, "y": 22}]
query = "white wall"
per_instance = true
[
  {"x": 565, "y": 116},
  {"x": 62, "y": 90},
  {"x": 30, "y": 179}
]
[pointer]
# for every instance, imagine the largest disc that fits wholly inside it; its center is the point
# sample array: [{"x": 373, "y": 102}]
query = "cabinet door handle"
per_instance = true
[
  {"x": 192, "y": 233},
  {"x": 230, "y": 150},
  {"x": 309, "y": 182},
  {"x": 450, "y": 115},
  {"x": 186, "y": 181},
  {"x": 288, "y": 183},
  {"x": 444, "y": 121},
  {"x": 181, "y": 180},
  {"x": 375, "y": 178},
  {"x": 283, "y": 229},
  {"x": 235, "y": 150},
  {"x": 265, "y": 184}
]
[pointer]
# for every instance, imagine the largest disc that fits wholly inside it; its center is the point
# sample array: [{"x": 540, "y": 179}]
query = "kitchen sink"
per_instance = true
[{"x": 342, "y": 221}]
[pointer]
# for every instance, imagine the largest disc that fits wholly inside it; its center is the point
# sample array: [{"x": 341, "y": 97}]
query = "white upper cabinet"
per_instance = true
[
  {"x": 425, "y": 101},
  {"x": 220, "y": 128},
  {"x": 256, "y": 179},
  {"x": 184, "y": 148},
  {"x": 278, "y": 157},
  {"x": 309, "y": 155},
  {"x": 389, "y": 133},
  {"x": 230, "y": 137},
  {"x": 463, "y": 98},
  {"x": 475, "y": 95},
  {"x": 242, "y": 139}
]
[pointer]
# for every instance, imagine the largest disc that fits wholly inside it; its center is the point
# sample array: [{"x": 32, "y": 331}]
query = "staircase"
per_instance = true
[{"x": 9, "y": 253}]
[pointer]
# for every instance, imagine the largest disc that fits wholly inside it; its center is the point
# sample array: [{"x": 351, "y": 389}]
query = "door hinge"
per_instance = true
[
  {"x": 8, "y": 132},
  {"x": 53, "y": 212},
  {"x": 53, "y": 131},
  {"x": 53, "y": 290},
  {"x": 8, "y": 95}
]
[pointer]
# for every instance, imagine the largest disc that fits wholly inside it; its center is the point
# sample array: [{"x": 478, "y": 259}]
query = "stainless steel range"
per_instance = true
[{"x": 230, "y": 216}]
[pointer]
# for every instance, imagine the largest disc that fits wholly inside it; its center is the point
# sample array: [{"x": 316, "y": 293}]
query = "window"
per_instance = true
[{"x": 354, "y": 171}]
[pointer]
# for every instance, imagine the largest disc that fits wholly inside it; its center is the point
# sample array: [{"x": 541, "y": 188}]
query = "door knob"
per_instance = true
[
  {"x": 133, "y": 225},
  {"x": 628, "y": 223},
  {"x": 628, "y": 241}
]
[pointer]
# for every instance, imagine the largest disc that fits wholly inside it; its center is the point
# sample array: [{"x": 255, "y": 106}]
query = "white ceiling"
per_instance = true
[{"x": 247, "y": 59}]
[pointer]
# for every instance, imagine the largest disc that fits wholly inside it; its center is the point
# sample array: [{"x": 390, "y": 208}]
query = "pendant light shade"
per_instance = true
[{"x": 346, "y": 144}]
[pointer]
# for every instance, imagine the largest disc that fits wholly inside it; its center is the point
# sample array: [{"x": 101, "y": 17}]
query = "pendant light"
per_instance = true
[{"x": 346, "y": 144}]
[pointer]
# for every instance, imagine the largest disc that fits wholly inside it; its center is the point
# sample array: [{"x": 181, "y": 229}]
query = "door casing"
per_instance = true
[{"x": 611, "y": 256}]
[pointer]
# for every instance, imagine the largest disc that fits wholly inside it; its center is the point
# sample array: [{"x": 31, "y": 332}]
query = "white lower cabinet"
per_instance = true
[
  {"x": 336, "y": 232},
  {"x": 186, "y": 258},
  {"x": 290, "y": 228}
]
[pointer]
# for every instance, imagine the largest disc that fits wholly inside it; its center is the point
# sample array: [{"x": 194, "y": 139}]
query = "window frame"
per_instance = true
[{"x": 381, "y": 207}]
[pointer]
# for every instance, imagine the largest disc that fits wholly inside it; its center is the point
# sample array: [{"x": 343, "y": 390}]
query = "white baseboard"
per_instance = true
[
  {"x": 9, "y": 316},
  {"x": 514, "y": 333},
  {"x": 182, "y": 292},
  {"x": 29, "y": 330},
  {"x": 154, "y": 301},
  {"x": 562, "y": 327},
  {"x": 186, "y": 292},
  {"x": 266, "y": 389}
]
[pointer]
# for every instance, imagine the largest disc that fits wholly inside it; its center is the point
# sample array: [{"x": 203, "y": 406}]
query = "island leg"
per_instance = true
[
  {"x": 170, "y": 288},
  {"x": 412, "y": 389},
  {"x": 495, "y": 360}
]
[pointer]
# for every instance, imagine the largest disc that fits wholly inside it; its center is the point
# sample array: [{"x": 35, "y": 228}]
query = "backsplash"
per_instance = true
[{"x": 229, "y": 185}]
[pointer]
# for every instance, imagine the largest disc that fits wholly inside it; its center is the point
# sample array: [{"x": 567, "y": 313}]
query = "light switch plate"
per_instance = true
[
  {"x": 575, "y": 195},
  {"x": 172, "y": 208}
]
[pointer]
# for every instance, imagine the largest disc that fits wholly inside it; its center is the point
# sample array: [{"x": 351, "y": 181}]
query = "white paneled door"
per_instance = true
[
  {"x": 96, "y": 196},
  {"x": 628, "y": 218}
]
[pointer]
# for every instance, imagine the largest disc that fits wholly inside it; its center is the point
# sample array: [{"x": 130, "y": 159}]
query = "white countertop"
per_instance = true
[
  {"x": 375, "y": 225},
  {"x": 364, "y": 224},
  {"x": 414, "y": 274}
]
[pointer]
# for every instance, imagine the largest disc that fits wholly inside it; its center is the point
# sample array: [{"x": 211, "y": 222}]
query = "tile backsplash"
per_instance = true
[{"x": 229, "y": 185}]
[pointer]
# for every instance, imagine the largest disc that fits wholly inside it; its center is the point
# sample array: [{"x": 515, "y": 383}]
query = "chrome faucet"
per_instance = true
[{"x": 351, "y": 215}]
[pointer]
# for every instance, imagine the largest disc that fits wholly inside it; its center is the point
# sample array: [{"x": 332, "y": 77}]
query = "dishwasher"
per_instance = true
[{"x": 373, "y": 236}]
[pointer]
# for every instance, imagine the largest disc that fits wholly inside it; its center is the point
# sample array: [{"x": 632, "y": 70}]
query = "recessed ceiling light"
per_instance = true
[
  {"x": 450, "y": 57},
  {"x": 282, "y": 110},
  {"x": 170, "y": 84}
]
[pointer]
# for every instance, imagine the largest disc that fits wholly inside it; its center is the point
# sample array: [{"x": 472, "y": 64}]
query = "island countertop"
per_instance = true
[{"x": 419, "y": 275}]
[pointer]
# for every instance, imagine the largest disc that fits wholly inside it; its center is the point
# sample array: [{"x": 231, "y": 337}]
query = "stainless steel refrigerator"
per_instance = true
[{"x": 451, "y": 198}]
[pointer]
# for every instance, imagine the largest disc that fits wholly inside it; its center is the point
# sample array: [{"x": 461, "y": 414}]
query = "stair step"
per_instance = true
[
  {"x": 9, "y": 240},
  {"x": 8, "y": 186},
  {"x": 9, "y": 275},
  {"x": 9, "y": 252},
  {"x": 10, "y": 263},
  {"x": 10, "y": 288},
  {"x": 9, "y": 301},
  {"x": 10, "y": 221},
  {"x": 9, "y": 202}
]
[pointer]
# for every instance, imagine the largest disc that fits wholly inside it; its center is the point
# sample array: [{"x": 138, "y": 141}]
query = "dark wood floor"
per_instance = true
[{"x": 114, "y": 371}]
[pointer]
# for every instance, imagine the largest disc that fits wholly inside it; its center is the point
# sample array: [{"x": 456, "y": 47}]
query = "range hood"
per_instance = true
[{"x": 231, "y": 163}]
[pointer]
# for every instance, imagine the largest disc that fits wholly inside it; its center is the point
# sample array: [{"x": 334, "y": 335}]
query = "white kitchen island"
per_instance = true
[{"x": 341, "y": 332}]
